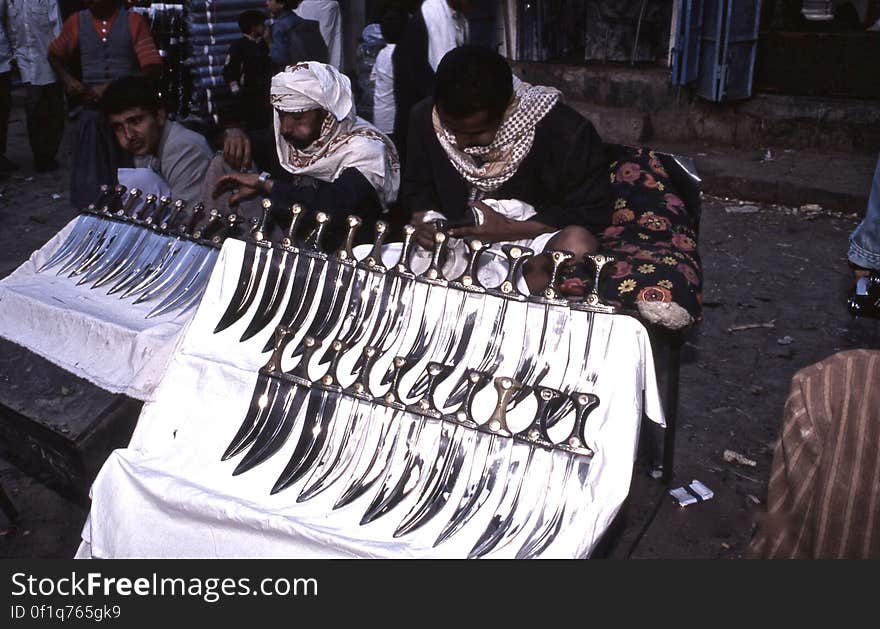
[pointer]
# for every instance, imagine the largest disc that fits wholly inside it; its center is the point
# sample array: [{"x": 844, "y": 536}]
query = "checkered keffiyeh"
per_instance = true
[{"x": 487, "y": 167}]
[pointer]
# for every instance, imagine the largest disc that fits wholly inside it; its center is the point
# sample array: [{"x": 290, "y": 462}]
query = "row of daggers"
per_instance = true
[
  {"x": 383, "y": 367},
  {"x": 143, "y": 246}
]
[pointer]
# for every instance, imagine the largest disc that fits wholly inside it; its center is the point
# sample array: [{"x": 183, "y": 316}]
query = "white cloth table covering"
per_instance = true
[
  {"x": 95, "y": 336},
  {"x": 169, "y": 495}
]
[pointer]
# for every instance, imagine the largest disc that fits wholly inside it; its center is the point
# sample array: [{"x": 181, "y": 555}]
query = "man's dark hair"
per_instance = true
[
  {"x": 392, "y": 24},
  {"x": 290, "y": 4},
  {"x": 471, "y": 79},
  {"x": 130, "y": 92},
  {"x": 250, "y": 19}
]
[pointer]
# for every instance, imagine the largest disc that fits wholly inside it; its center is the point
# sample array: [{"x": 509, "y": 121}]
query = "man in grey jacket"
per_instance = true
[{"x": 142, "y": 129}]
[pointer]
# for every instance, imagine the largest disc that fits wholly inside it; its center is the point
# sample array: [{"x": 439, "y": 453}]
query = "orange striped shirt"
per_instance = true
[{"x": 67, "y": 43}]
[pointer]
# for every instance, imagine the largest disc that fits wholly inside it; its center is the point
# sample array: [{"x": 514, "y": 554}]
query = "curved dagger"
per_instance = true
[
  {"x": 190, "y": 288},
  {"x": 548, "y": 526},
  {"x": 83, "y": 229},
  {"x": 195, "y": 216},
  {"x": 263, "y": 398},
  {"x": 98, "y": 237},
  {"x": 176, "y": 209},
  {"x": 192, "y": 256},
  {"x": 397, "y": 483},
  {"x": 484, "y": 466},
  {"x": 246, "y": 287},
  {"x": 283, "y": 261},
  {"x": 305, "y": 278}
]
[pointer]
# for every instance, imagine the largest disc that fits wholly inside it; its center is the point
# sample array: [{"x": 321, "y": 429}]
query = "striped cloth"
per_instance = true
[{"x": 824, "y": 494}]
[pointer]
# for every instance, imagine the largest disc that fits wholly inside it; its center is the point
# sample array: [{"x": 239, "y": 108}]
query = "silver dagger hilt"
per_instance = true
[
  {"x": 260, "y": 228},
  {"x": 134, "y": 196},
  {"x": 352, "y": 224},
  {"x": 404, "y": 265},
  {"x": 313, "y": 240},
  {"x": 584, "y": 404},
  {"x": 310, "y": 345},
  {"x": 374, "y": 259},
  {"x": 147, "y": 208},
  {"x": 296, "y": 214},
  {"x": 435, "y": 269},
  {"x": 212, "y": 223},
  {"x": 103, "y": 192},
  {"x": 335, "y": 352},
  {"x": 231, "y": 221},
  {"x": 436, "y": 372},
  {"x": 549, "y": 400},
  {"x": 468, "y": 277},
  {"x": 599, "y": 261},
  {"x": 159, "y": 213},
  {"x": 176, "y": 208},
  {"x": 280, "y": 340},
  {"x": 557, "y": 258},
  {"x": 497, "y": 423},
  {"x": 190, "y": 226},
  {"x": 112, "y": 200},
  {"x": 474, "y": 381},
  {"x": 516, "y": 257},
  {"x": 398, "y": 366},
  {"x": 361, "y": 386}
]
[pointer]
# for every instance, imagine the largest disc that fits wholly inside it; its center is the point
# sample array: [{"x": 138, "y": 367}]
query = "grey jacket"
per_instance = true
[{"x": 182, "y": 159}]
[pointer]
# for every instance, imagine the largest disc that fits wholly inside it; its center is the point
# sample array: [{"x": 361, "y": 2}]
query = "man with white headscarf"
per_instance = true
[{"x": 328, "y": 159}]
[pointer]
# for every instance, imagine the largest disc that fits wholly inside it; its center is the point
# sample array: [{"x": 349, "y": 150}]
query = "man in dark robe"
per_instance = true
[{"x": 535, "y": 170}]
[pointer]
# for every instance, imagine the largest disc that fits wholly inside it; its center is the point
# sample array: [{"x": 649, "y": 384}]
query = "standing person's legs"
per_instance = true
[
  {"x": 5, "y": 107},
  {"x": 44, "y": 106},
  {"x": 95, "y": 157}
]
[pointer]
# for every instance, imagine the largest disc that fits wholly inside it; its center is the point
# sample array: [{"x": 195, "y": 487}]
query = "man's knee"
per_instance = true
[{"x": 576, "y": 239}]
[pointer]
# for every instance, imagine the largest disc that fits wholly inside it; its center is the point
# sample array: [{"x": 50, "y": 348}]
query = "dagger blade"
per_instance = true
[
  {"x": 280, "y": 267},
  {"x": 246, "y": 287}
]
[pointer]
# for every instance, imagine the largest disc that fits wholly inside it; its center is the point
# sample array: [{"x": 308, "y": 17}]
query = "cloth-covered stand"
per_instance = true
[{"x": 170, "y": 494}]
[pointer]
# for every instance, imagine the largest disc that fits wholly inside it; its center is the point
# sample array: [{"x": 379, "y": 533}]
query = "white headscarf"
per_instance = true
[{"x": 346, "y": 141}]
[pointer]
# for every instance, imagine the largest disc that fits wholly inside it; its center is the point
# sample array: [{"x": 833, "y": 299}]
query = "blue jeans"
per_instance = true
[{"x": 864, "y": 242}]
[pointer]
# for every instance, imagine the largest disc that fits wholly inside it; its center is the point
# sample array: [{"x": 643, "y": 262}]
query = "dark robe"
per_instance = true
[{"x": 564, "y": 176}]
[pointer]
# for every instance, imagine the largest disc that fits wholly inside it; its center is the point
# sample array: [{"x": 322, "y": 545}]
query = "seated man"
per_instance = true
[
  {"x": 137, "y": 118},
  {"x": 534, "y": 167},
  {"x": 328, "y": 158}
]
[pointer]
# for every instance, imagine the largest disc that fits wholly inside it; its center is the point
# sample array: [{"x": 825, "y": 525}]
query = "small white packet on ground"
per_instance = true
[{"x": 695, "y": 492}]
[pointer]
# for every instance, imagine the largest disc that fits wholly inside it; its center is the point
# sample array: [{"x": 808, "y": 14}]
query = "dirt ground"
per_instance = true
[{"x": 776, "y": 281}]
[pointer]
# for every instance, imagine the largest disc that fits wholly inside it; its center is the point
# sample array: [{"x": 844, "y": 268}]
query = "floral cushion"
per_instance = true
[{"x": 652, "y": 237}]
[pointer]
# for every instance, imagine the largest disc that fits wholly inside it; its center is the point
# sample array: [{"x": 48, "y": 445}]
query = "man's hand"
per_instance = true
[
  {"x": 97, "y": 93},
  {"x": 78, "y": 91},
  {"x": 243, "y": 186},
  {"x": 498, "y": 228},
  {"x": 424, "y": 234},
  {"x": 237, "y": 148}
]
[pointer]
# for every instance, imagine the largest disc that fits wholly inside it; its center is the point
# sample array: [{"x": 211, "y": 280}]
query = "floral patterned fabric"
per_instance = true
[{"x": 652, "y": 238}]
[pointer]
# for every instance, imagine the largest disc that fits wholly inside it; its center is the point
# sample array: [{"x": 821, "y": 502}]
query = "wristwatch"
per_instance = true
[{"x": 264, "y": 177}]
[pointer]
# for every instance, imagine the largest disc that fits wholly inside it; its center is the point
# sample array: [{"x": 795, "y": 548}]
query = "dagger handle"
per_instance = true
[
  {"x": 399, "y": 365},
  {"x": 557, "y": 259},
  {"x": 352, "y": 223},
  {"x": 475, "y": 381},
  {"x": 337, "y": 349},
  {"x": 361, "y": 385},
  {"x": 197, "y": 211},
  {"x": 310, "y": 345},
  {"x": 112, "y": 200},
  {"x": 133, "y": 196},
  {"x": 436, "y": 373},
  {"x": 210, "y": 225},
  {"x": 296, "y": 213},
  {"x": 95, "y": 206},
  {"x": 282, "y": 338},
  {"x": 148, "y": 207},
  {"x": 156, "y": 217},
  {"x": 232, "y": 220},
  {"x": 599, "y": 261},
  {"x": 548, "y": 401},
  {"x": 475, "y": 247},
  {"x": 406, "y": 248},
  {"x": 497, "y": 423},
  {"x": 584, "y": 404},
  {"x": 374, "y": 259},
  {"x": 435, "y": 269},
  {"x": 260, "y": 228},
  {"x": 176, "y": 209},
  {"x": 313, "y": 240},
  {"x": 516, "y": 256}
]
